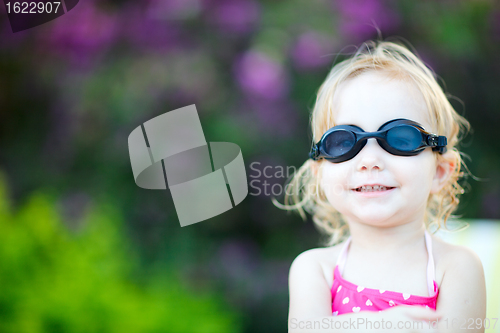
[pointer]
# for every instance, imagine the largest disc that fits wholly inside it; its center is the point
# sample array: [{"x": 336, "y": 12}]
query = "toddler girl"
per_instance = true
[{"x": 382, "y": 170}]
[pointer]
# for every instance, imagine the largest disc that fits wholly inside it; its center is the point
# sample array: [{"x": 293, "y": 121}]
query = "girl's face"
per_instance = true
[{"x": 368, "y": 101}]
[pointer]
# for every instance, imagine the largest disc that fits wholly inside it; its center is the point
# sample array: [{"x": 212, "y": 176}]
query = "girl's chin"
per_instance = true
[{"x": 374, "y": 220}]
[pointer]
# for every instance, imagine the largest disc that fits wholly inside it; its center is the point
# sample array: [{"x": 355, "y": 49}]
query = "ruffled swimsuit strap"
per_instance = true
[{"x": 430, "y": 264}]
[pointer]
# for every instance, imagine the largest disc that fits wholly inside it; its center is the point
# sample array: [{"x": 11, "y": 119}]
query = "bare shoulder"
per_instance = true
[
  {"x": 317, "y": 261},
  {"x": 310, "y": 283},
  {"x": 318, "y": 256},
  {"x": 460, "y": 276},
  {"x": 453, "y": 259}
]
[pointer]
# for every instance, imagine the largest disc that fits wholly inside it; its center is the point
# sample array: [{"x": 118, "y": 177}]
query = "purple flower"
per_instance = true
[
  {"x": 311, "y": 50},
  {"x": 149, "y": 32},
  {"x": 358, "y": 18},
  {"x": 260, "y": 76},
  {"x": 233, "y": 16},
  {"x": 276, "y": 118},
  {"x": 84, "y": 32}
]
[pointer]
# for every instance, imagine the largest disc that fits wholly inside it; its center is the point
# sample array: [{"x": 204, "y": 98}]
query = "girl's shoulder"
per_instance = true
[
  {"x": 319, "y": 256},
  {"x": 449, "y": 257},
  {"x": 318, "y": 261}
]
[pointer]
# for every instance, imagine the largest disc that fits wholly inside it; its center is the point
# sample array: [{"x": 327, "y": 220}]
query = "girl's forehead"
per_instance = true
[{"x": 372, "y": 98}]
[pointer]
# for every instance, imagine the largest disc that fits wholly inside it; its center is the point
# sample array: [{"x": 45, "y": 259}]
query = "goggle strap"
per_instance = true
[
  {"x": 442, "y": 141},
  {"x": 437, "y": 141},
  {"x": 314, "y": 152}
]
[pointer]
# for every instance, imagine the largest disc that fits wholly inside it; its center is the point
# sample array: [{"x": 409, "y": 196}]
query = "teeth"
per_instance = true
[{"x": 372, "y": 188}]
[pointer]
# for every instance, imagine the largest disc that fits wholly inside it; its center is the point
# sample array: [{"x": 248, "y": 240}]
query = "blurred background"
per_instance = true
[{"x": 83, "y": 249}]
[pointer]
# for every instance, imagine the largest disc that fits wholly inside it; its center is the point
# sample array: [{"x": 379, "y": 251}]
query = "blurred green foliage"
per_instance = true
[{"x": 56, "y": 280}]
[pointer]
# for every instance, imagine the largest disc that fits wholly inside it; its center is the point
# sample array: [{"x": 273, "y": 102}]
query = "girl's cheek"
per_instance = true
[{"x": 335, "y": 188}]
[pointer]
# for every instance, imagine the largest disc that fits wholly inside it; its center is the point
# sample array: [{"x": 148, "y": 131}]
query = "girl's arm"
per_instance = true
[
  {"x": 309, "y": 291},
  {"x": 462, "y": 294},
  {"x": 311, "y": 305}
]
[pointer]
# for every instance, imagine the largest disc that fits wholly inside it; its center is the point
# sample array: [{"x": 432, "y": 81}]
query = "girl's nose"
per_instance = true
[{"x": 370, "y": 157}]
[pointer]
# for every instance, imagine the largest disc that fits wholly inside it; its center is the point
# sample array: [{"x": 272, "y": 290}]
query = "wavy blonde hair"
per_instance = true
[{"x": 303, "y": 192}]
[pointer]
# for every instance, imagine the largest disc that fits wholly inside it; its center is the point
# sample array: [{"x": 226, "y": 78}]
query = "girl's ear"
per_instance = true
[{"x": 445, "y": 166}]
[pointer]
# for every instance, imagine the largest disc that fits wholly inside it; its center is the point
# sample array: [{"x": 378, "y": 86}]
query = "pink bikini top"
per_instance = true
[{"x": 348, "y": 297}]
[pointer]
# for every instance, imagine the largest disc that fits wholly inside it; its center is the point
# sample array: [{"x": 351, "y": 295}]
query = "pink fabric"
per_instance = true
[{"x": 348, "y": 297}]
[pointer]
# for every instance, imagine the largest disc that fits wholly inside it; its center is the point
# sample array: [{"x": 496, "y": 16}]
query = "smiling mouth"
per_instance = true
[{"x": 373, "y": 188}]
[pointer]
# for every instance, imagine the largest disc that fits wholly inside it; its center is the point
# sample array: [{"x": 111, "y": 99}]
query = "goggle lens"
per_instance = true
[
  {"x": 404, "y": 138},
  {"x": 340, "y": 142}
]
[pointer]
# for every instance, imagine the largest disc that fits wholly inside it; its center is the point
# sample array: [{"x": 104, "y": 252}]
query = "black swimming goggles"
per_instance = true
[{"x": 400, "y": 137}]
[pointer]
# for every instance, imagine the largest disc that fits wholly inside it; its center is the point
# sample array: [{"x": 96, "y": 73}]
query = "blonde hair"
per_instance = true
[{"x": 395, "y": 60}]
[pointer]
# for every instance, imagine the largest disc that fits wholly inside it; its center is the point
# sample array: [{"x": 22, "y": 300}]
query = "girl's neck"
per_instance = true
[{"x": 389, "y": 239}]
